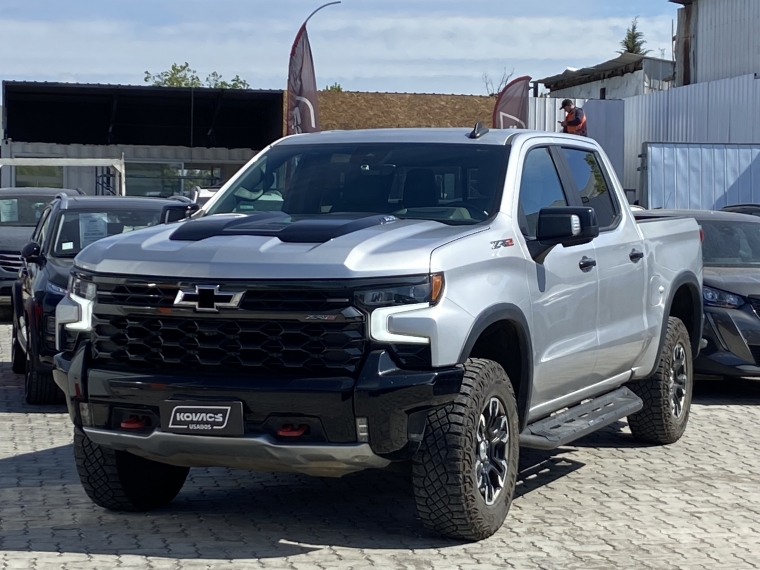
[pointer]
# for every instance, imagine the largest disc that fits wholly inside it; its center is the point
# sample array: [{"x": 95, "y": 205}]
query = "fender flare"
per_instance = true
[
  {"x": 690, "y": 280},
  {"x": 514, "y": 315}
]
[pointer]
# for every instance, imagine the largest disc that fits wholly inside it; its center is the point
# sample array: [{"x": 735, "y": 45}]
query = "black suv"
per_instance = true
[
  {"x": 65, "y": 227},
  {"x": 20, "y": 210}
]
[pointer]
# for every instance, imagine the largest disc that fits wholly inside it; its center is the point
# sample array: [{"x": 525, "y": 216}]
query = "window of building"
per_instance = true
[{"x": 39, "y": 176}]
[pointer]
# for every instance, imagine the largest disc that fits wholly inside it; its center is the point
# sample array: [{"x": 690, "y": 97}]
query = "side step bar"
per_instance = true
[{"x": 583, "y": 419}]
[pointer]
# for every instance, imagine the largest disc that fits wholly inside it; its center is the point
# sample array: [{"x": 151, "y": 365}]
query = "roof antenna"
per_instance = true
[{"x": 478, "y": 131}]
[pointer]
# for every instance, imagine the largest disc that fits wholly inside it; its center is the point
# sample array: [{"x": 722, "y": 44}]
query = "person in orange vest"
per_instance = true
[{"x": 575, "y": 122}]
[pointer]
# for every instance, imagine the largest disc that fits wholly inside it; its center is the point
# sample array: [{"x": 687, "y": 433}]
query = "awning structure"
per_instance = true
[
  {"x": 624, "y": 63},
  {"x": 71, "y": 113}
]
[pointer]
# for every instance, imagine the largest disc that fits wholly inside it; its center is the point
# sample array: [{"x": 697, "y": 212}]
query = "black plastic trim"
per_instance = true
[{"x": 513, "y": 314}]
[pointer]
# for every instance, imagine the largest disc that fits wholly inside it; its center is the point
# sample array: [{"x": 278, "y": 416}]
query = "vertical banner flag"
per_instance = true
[
  {"x": 511, "y": 109},
  {"x": 303, "y": 106}
]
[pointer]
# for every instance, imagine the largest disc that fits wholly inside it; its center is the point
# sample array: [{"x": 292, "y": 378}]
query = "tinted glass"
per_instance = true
[
  {"x": 455, "y": 184},
  {"x": 540, "y": 187},
  {"x": 77, "y": 230},
  {"x": 592, "y": 185},
  {"x": 22, "y": 211},
  {"x": 731, "y": 243}
]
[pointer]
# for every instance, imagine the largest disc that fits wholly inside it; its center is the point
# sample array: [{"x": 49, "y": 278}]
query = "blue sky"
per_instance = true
[{"x": 441, "y": 46}]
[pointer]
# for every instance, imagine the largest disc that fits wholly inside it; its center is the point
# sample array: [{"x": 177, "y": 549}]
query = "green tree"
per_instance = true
[
  {"x": 634, "y": 40},
  {"x": 334, "y": 87},
  {"x": 181, "y": 75}
]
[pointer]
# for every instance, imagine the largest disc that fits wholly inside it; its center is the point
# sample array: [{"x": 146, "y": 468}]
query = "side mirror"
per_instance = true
[
  {"x": 177, "y": 212},
  {"x": 31, "y": 253},
  {"x": 565, "y": 226}
]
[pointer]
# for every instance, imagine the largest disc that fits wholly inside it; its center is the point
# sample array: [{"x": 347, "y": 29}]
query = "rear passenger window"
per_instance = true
[
  {"x": 540, "y": 187},
  {"x": 590, "y": 181}
]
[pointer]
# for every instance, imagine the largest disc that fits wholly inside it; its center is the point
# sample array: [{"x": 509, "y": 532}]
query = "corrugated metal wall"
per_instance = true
[
  {"x": 727, "y": 38},
  {"x": 726, "y": 111},
  {"x": 700, "y": 176}
]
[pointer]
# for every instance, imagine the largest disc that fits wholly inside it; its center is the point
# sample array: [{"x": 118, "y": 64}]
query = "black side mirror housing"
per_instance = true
[
  {"x": 176, "y": 212},
  {"x": 566, "y": 226},
  {"x": 31, "y": 253}
]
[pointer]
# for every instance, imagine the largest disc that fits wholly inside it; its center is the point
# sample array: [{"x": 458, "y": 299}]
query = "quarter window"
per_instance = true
[
  {"x": 592, "y": 185},
  {"x": 540, "y": 187}
]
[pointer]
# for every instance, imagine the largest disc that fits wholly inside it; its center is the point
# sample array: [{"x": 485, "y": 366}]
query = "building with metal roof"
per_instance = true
[
  {"x": 627, "y": 75},
  {"x": 171, "y": 138}
]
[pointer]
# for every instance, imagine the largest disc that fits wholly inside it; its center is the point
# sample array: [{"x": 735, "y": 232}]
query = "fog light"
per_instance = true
[
  {"x": 84, "y": 413},
  {"x": 362, "y": 430}
]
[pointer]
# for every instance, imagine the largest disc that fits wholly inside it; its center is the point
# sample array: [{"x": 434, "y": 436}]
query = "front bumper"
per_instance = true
[
  {"x": 255, "y": 453},
  {"x": 394, "y": 403},
  {"x": 733, "y": 343}
]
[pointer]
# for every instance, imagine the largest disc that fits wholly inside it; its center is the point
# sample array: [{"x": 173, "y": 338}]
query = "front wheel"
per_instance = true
[
  {"x": 465, "y": 472},
  {"x": 39, "y": 386},
  {"x": 667, "y": 394},
  {"x": 120, "y": 481},
  {"x": 18, "y": 358}
]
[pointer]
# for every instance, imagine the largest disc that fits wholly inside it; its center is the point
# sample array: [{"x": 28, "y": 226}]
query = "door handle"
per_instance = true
[
  {"x": 636, "y": 256},
  {"x": 587, "y": 264}
]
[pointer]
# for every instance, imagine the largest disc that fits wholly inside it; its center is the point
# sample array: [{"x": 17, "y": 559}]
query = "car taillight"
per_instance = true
[{"x": 701, "y": 234}]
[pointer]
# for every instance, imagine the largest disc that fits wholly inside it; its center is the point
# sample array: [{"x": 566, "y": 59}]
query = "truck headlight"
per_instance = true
[
  {"x": 74, "y": 312},
  {"x": 85, "y": 290},
  {"x": 55, "y": 289},
  {"x": 428, "y": 291},
  {"x": 718, "y": 298}
]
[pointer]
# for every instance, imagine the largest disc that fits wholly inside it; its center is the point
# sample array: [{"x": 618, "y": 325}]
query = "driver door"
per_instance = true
[{"x": 564, "y": 297}]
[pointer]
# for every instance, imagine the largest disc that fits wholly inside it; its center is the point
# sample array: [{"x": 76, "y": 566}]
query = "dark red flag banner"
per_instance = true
[
  {"x": 303, "y": 105},
  {"x": 511, "y": 109}
]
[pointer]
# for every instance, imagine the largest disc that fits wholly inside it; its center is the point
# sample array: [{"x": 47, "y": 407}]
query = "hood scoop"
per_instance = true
[{"x": 316, "y": 229}]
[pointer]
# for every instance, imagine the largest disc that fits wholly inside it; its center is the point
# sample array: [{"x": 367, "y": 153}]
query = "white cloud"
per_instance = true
[{"x": 361, "y": 50}]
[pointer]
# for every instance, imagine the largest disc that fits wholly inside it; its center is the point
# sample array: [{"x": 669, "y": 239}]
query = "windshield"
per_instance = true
[
  {"x": 22, "y": 211},
  {"x": 450, "y": 183},
  {"x": 77, "y": 230},
  {"x": 731, "y": 243}
]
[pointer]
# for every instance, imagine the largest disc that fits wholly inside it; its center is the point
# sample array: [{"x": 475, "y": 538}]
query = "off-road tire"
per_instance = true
[
  {"x": 655, "y": 423},
  {"x": 18, "y": 358},
  {"x": 120, "y": 481},
  {"x": 41, "y": 389},
  {"x": 443, "y": 472}
]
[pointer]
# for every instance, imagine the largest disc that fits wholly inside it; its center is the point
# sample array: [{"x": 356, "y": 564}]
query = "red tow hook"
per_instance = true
[
  {"x": 135, "y": 422},
  {"x": 291, "y": 431}
]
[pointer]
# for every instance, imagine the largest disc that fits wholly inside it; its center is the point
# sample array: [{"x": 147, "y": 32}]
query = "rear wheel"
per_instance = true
[
  {"x": 667, "y": 394},
  {"x": 464, "y": 474},
  {"x": 120, "y": 481}
]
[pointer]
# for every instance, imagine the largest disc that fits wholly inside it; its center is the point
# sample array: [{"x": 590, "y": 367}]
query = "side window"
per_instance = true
[
  {"x": 41, "y": 226},
  {"x": 45, "y": 228},
  {"x": 540, "y": 187},
  {"x": 590, "y": 181}
]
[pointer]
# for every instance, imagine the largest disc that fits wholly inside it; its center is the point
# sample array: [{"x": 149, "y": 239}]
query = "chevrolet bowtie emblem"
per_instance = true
[{"x": 208, "y": 299}]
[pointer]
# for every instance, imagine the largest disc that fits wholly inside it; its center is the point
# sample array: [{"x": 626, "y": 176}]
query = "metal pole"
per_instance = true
[{"x": 317, "y": 10}]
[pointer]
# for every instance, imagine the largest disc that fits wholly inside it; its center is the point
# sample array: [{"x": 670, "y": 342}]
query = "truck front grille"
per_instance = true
[
  {"x": 289, "y": 347},
  {"x": 258, "y": 297},
  {"x": 10, "y": 262}
]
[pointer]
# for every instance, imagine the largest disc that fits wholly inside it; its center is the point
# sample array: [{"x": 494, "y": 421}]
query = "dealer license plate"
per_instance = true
[{"x": 201, "y": 418}]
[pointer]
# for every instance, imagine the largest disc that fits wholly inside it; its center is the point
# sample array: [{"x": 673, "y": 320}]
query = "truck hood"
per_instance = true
[
  {"x": 13, "y": 238},
  {"x": 273, "y": 246},
  {"x": 744, "y": 281}
]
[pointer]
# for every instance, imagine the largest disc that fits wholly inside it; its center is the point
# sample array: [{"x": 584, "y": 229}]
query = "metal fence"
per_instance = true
[{"x": 718, "y": 112}]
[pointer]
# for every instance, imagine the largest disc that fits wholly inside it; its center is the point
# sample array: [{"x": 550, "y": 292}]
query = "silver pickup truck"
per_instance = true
[{"x": 352, "y": 299}]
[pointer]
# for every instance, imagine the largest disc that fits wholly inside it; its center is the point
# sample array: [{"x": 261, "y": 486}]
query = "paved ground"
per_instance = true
[{"x": 604, "y": 503}]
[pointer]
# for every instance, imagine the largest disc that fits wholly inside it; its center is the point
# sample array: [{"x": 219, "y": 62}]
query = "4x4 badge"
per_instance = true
[{"x": 208, "y": 299}]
